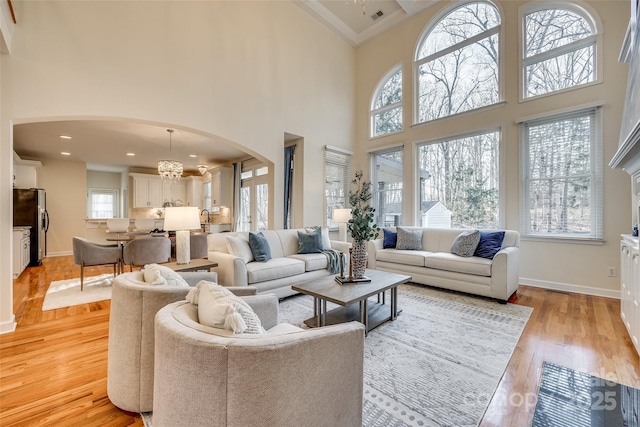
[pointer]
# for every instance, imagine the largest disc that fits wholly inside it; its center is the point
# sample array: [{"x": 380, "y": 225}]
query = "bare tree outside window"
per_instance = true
[
  {"x": 463, "y": 175},
  {"x": 386, "y": 184},
  {"x": 559, "y": 51},
  {"x": 561, "y": 178},
  {"x": 458, "y": 63},
  {"x": 387, "y": 107}
]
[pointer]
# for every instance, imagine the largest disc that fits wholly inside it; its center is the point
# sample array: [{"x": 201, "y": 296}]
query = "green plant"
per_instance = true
[{"x": 361, "y": 226}]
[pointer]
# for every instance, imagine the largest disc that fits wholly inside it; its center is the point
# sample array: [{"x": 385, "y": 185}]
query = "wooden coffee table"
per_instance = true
[{"x": 370, "y": 313}]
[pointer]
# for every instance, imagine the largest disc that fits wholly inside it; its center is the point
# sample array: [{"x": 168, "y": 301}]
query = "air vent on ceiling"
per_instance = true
[{"x": 377, "y": 15}]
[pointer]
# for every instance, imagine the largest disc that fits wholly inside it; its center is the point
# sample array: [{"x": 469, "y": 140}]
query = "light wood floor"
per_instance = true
[{"x": 53, "y": 368}]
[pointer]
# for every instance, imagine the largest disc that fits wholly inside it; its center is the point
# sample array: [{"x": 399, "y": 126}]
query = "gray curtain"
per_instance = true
[
  {"x": 237, "y": 183},
  {"x": 288, "y": 179}
]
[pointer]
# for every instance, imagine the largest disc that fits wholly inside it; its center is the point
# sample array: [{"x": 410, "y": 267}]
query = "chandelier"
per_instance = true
[{"x": 170, "y": 169}]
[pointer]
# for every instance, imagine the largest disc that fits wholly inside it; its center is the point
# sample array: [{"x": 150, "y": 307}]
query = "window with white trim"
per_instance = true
[
  {"x": 337, "y": 173},
  {"x": 562, "y": 175},
  {"x": 459, "y": 181},
  {"x": 386, "y": 105},
  {"x": 102, "y": 203},
  {"x": 559, "y": 49},
  {"x": 457, "y": 66},
  {"x": 386, "y": 185}
]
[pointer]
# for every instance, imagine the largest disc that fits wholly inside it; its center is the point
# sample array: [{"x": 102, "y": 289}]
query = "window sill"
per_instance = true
[{"x": 558, "y": 239}]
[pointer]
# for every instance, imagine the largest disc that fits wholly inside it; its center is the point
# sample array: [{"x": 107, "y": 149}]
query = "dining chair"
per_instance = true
[
  {"x": 87, "y": 253},
  {"x": 147, "y": 250}
]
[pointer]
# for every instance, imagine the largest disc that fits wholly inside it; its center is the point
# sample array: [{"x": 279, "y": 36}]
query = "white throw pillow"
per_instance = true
[
  {"x": 218, "y": 307},
  {"x": 155, "y": 274},
  {"x": 239, "y": 246}
]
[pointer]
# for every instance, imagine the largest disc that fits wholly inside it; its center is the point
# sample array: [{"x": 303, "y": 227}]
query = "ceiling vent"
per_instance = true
[{"x": 377, "y": 15}]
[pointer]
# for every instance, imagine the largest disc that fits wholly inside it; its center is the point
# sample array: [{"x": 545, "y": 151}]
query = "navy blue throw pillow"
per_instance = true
[
  {"x": 390, "y": 239},
  {"x": 309, "y": 243},
  {"x": 490, "y": 243},
  {"x": 259, "y": 247}
]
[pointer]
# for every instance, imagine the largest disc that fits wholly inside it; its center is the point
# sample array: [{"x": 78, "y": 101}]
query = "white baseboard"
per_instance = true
[
  {"x": 9, "y": 326},
  {"x": 568, "y": 287}
]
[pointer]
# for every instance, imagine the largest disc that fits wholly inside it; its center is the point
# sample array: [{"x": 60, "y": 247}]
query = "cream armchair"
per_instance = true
[{"x": 289, "y": 377}]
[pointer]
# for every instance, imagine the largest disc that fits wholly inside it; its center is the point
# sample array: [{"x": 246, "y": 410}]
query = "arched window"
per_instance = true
[
  {"x": 386, "y": 105},
  {"x": 559, "y": 50},
  {"x": 457, "y": 62}
]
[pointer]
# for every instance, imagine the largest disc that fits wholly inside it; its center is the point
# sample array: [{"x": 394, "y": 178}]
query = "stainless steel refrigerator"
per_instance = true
[{"x": 30, "y": 208}]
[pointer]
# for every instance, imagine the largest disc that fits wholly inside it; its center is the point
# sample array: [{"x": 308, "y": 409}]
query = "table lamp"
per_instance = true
[
  {"x": 342, "y": 216},
  {"x": 182, "y": 219}
]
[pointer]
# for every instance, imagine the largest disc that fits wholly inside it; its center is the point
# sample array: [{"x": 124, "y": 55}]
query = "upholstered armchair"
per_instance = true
[
  {"x": 288, "y": 377},
  {"x": 148, "y": 250},
  {"x": 134, "y": 304},
  {"x": 86, "y": 254}
]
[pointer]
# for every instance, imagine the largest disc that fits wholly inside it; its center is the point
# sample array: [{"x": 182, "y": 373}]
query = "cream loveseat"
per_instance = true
[
  {"x": 434, "y": 264},
  {"x": 285, "y": 268}
]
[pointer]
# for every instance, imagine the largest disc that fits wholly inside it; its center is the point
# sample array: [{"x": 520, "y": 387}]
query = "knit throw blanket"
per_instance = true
[{"x": 333, "y": 260}]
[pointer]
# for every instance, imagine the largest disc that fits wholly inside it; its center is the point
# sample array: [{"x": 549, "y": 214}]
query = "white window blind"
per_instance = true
[{"x": 562, "y": 175}]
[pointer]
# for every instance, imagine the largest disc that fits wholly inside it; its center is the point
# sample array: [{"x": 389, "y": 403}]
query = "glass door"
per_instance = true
[{"x": 254, "y": 200}]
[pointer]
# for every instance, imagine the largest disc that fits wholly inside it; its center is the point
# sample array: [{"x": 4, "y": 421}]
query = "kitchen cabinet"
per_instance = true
[
  {"x": 221, "y": 186},
  {"x": 174, "y": 191},
  {"x": 630, "y": 287},
  {"x": 21, "y": 249},
  {"x": 147, "y": 191},
  {"x": 194, "y": 191}
]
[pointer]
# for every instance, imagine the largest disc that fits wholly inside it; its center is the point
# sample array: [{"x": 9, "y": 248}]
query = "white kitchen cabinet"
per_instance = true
[
  {"x": 174, "y": 191},
  {"x": 630, "y": 287},
  {"x": 147, "y": 191},
  {"x": 221, "y": 186},
  {"x": 194, "y": 191},
  {"x": 21, "y": 249}
]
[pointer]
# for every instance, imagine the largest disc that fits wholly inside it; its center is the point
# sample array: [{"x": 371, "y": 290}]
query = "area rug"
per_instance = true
[
  {"x": 66, "y": 293},
  {"x": 567, "y": 397},
  {"x": 438, "y": 364}
]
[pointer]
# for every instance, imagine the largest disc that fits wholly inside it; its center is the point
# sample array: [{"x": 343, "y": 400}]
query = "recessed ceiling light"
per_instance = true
[
  {"x": 192, "y": 155},
  {"x": 131, "y": 154},
  {"x": 65, "y": 137},
  {"x": 64, "y": 153}
]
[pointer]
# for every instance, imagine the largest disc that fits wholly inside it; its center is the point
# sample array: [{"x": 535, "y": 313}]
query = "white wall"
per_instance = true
[
  {"x": 244, "y": 71},
  {"x": 566, "y": 266}
]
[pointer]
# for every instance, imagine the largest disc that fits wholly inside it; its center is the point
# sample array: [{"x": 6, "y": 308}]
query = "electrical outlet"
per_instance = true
[{"x": 612, "y": 271}]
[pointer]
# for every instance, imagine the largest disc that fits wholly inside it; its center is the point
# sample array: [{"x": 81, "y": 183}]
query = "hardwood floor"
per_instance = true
[{"x": 53, "y": 368}]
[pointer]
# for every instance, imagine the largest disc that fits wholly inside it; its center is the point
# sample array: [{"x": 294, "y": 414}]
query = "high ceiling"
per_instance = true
[
  {"x": 104, "y": 144},
  {"x": 346, "y": 17}
]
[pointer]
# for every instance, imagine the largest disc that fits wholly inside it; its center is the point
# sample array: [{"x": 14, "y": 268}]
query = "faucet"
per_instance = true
[{"x": 208, "y": 217}]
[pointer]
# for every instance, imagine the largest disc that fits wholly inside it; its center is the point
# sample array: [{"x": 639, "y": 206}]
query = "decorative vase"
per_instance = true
[{"x": 359, "y": 259}]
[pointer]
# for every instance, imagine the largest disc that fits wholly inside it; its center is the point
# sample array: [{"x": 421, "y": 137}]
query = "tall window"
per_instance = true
[
  {"x": 386, "y": 106},
  {"x": 459, "y": 182},
  {"x": 457, "y": 62},
  {"x": 336, "y": 181},
  {"x": 386, "y": 180},
  {"x": 559, "y": 49},
  {"x": 254, "y": 197},
  {"x": 562, "y": 175},
  {"x": 102, "y": 203}
]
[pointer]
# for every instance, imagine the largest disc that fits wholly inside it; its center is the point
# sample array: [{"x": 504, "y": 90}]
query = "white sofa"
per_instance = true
[
  {"x": 285, "y": 268},
  {"x": 435, "y": 265}
]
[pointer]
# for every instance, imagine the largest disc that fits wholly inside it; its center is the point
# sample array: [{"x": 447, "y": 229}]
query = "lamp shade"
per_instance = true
[
  {"x": 341, "y": 215},
  {"x": 181, "y": 218}
]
